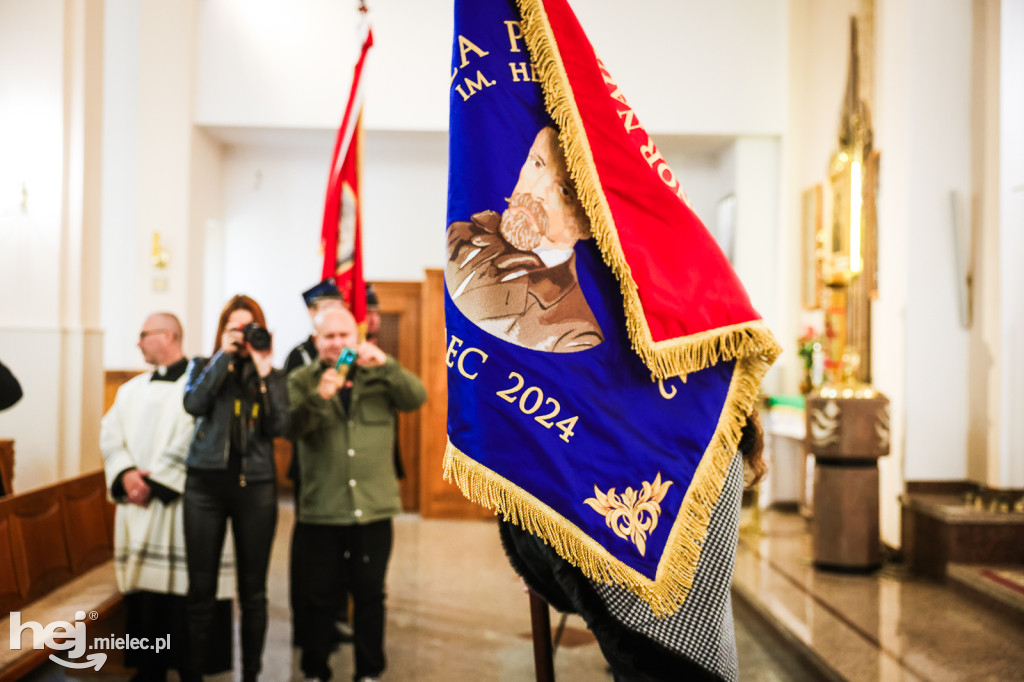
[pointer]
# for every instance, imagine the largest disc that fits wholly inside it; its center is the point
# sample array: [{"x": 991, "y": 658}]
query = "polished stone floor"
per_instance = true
[
  {"x": 879, "y": 627},
  {"x": 456, "y": 611}
]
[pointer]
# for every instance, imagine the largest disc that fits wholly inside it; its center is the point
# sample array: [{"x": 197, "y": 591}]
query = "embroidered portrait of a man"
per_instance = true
[{"x": 514, "y": 273}]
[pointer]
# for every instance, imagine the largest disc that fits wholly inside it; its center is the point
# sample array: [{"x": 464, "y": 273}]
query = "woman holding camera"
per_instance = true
[{"x": 240, "y": 403}]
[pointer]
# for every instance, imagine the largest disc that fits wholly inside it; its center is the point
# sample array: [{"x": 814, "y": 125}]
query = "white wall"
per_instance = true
[
  {"x": 49, "y": 253},
  {"x": 695, "y": 67},
  {"x": 699, "y": 166},
  {"x": 273, "y": 206},
  {"x": 819, "y": 44},
  {"x": 120, "y": 231},
  {"x": 205, "y": 240},
  {"x": 160, "y": 172},
  {"x": 31, "y": 149},
  {"x": 31, "y": 146},
  {"x": 892, "y": 118},
  {"x": 937, "y": 61},
  {"x": 761, "y": 258},
  {"x": 268, "y": 63},
  {"x": 276, "y": 64},
  {"x": 1010, "y": 471},
  {"x": 919, "y": 348},
  {"x": 164, "y": 150}
]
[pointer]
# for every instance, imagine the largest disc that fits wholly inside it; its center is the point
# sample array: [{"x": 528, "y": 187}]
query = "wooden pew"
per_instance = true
[
  {"x": 56, "y": 558},
  {"x": 6, "y": 467}
]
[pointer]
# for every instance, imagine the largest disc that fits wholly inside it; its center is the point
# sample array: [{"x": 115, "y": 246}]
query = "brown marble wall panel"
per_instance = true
[{"x": 846, "y": 517}]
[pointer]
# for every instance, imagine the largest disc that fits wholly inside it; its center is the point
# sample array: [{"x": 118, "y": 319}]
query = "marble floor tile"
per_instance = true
[
  {"x": 887, "y": 625},
  {"x": 457, "y": 611}
]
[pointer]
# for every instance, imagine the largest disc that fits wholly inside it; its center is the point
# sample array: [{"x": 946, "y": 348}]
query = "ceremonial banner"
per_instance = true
[
  {"x": 341, "y": 237},
  {"x": 602, "y": 355}
]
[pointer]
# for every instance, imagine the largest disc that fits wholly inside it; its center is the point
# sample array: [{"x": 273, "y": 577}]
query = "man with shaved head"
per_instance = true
[
  {"x": 144, "y": 438},
  {"x": 514, "y": 273},
  {"x": 343, "y": 417}
]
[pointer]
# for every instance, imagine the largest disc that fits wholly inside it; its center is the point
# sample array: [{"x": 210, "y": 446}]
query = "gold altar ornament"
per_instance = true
[{"x": 850, "y": 245}]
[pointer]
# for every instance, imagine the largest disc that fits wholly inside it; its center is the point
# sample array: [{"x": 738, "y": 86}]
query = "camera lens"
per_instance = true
[{"x": 256, "y": 336}]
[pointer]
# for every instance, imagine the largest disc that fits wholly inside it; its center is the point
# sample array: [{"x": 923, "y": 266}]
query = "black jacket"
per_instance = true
[
  {"x": 10, "y": 389},
  {"x": 212, "y": 391}
]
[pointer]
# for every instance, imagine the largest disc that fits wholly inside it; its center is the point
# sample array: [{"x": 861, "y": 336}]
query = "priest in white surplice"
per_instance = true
[{"x": 144, "y": 438}]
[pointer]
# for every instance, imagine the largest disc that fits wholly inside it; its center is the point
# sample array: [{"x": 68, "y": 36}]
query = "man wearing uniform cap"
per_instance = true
[{"x": 317, "y": 298}]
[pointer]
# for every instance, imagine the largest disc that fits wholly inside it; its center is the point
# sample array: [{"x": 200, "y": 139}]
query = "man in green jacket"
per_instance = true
[{"x": 344, "y": 422}]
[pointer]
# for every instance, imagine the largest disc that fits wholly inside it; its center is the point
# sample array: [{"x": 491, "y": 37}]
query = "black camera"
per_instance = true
[{"x": 256, "y": 336}]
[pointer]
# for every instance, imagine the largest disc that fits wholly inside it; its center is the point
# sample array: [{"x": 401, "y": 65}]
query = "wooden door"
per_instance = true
[
  {"x": 400, "y": 331},
  {"x": 438, "y": 498}
]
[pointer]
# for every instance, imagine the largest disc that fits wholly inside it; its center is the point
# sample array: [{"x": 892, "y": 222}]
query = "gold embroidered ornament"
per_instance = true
[{"x": 634, "y": 515}]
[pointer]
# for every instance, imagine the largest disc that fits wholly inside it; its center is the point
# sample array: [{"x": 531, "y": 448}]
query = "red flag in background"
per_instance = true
[{"x": 341, "y": 236}]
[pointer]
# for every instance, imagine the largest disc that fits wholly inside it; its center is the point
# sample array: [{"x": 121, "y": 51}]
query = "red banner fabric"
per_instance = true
[
  {"x": 672, "y": 256},
  {"x": 341, "y": 235}
]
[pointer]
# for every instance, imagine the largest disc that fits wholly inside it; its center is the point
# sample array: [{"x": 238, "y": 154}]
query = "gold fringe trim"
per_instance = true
[
  {"x": 664, "y": 358},
  {"x": 678, "y": 564}
]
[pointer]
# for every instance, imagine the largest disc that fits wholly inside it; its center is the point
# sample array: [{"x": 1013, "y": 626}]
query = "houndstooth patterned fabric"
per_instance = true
[{"x": 702, "y": 629}]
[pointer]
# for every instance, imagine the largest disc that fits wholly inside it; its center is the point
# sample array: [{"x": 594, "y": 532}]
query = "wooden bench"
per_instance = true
[
  {"x": 938, "y": 528},
  {"x": 56, "y": 558},
  {"x": 6, "y": 467}
]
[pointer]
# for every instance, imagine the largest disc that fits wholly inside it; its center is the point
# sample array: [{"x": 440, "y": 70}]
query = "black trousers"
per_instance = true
[
  {"x": 303, "y": 552},
  {"x": 154, "y": 615},
  {"x": 356, "y": 558},
  {"x": 211, "y": 498}
]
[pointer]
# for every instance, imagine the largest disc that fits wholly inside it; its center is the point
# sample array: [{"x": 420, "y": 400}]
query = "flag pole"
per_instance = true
[{"x": 363, "y": 326}]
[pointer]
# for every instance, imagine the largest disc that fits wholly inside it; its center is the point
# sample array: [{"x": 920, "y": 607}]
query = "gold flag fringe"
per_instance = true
[
  {"x": 664, "y": 358},
  {"x": 678, "y": 566}
]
